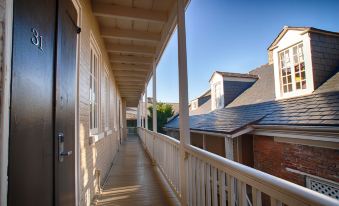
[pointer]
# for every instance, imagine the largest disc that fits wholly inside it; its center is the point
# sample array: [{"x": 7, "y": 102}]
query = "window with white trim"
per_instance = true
[
  {"x": 194, "y": 105},
  {"x": 292, "y": 69},
  {"x": 115, "y": 113},
  {"x": 107, "y": 102},
  {"x": 93, "y": 96},
  {"x": 217, "y": 95}
]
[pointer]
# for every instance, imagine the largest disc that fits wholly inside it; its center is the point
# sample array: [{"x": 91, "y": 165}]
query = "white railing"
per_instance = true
[{"x": 214, "y": 180}]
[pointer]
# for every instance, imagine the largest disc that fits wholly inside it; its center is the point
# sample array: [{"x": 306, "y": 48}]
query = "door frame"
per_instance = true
[
  {"x": 5, "y": 111},
  {"x": 5, "y": 107},
  {"x": 78, "y": 8}
]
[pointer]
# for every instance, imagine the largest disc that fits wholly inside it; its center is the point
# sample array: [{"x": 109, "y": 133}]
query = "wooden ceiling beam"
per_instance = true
[
  {"x": 132, "y": 88},
  {"x": 124, "y": 66},
  {"x": 130, "y": 49},
  {"x": 141, "y": 84},
  {"x": 115, "y": 33},
  {"x": 130, "y": 59},
  {"x": 114, "y": 11},
  {"x": 128, "y": 72},
  {"x": 117, "y": 75},
  {"x": 124, "y": 80}
]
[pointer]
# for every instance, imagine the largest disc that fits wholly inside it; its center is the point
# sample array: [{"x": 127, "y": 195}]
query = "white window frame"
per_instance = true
[
  {"x": 290, "y": 39},
  {"x": 194, "y": 104},
  {"x": 94, "y": 83},
  {"x": 107, "y": 106},
  {"x": 217, "y": 95},
  {"x": 114, "y": 100},
  {"x": 291, "y": 61}
]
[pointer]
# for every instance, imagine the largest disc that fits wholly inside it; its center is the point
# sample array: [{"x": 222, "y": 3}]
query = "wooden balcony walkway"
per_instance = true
[{"x": 133, "y": 180}]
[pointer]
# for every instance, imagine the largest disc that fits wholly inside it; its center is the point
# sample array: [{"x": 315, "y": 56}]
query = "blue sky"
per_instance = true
[{"x": 233, "y": 36}]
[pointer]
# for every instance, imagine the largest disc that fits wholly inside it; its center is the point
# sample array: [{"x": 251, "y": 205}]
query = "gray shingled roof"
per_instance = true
[
  {"x": 202, "y": 109},
  {"x": 318, "y": 109},
  {"x": 331, "y": 84},
  {"x": 231, "y": 74},
  {"x": 261, "y": 91}
]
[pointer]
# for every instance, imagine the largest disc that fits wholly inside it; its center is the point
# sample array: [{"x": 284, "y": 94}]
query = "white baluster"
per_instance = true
[
  {"x": 208, "y": 184},
  {"x": 215, "y": 187},
  {"x": 222, "y": 188},
  {"x": 230, "y": 190}
]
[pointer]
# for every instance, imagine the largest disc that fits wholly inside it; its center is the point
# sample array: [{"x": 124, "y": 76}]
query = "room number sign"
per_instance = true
[{"x": 36, "y": 39}]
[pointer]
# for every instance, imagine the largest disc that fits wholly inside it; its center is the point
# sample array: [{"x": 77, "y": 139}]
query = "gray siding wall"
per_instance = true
[
  {"x": 325, "y": 57},
  {"x": 204, "y": 99},
  {"x": 232, "y": 89}
]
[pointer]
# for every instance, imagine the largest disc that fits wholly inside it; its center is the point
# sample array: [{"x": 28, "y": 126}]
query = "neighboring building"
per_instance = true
[
  {"x": 286, "y": 123},
  {"x": 201, "y": 105},
  {"x": 131, "y": 116},
  {"x": 226, "y": 86}
]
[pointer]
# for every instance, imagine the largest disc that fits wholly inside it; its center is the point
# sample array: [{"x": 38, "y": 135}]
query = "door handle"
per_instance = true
[
  {"x": 62, "y": 153},
  {"x": 66, "y": 153}
]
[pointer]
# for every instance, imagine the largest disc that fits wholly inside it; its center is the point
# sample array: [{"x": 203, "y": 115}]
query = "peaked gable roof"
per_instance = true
[
  {"x": 305, "y": 29},
  {"x": 233, "y": 74}
]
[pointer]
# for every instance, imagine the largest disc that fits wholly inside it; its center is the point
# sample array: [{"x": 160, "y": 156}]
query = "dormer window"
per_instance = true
[
  {"x": 299, "y": 66},
  {"x": 218, "y": 95},
  {"x": 194, "y": 105},
  {"x": 292, "y": 69}
]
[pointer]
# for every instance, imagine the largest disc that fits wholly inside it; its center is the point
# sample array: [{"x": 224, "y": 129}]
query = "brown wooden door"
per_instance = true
[
  {"x": 43, "y": 93},
  {"x": 30, "y": 172},
  {"x": 65, "y": 91},
  {"x": 247, "y": 150}
]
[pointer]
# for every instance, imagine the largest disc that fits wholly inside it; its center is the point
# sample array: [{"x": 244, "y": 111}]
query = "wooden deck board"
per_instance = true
[{"x": 133, "y": 180}]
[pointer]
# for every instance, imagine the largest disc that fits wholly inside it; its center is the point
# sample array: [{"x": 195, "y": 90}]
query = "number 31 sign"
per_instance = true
[{"x": 36, "y": 39}]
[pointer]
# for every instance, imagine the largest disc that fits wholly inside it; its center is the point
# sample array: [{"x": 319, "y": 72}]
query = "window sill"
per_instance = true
[
  {"x": 93, "y": 138},
  {"x": 109, "y": 132}
]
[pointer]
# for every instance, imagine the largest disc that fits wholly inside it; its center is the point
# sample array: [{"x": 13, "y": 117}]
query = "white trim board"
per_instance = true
[
  {"x": 306, "y": 174},
  {"x": 7, "y": 70},
  {"x": 308, "y": 142},
  {"x": 319, "y": 136},
  {"x": 77, "y": 6}
]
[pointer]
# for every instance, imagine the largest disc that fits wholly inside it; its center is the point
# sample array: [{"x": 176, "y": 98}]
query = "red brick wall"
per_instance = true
[
  {"x": 215, "y": 145},
  {"x": 274, "y": 157}
]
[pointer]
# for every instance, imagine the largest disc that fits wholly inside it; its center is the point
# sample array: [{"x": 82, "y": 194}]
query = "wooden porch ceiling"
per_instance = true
[{"x": 135, "y": 33}]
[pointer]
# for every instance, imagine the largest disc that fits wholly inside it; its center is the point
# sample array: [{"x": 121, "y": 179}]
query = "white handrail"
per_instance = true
[{"x": 214, "y": 180}]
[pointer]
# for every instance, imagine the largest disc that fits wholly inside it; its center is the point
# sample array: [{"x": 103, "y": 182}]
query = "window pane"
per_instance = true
[
  {"x": 288, "y": 71},
  {"x": 303, "y": 75},
  {"x": 284, "y": 80},
  {"x": 289, "y": 79},
  {"x": 298, "y": 85},
  {"x": 285, "y": 88},
  {"x": 290, "y": 87},
  {"x": 302, "y": 66},
  {"x": 301, "y": 52},
  {"x": 304, "y": 84},
  {"x": 296, "y": 68},
  {"x": 91, "y": 117}
]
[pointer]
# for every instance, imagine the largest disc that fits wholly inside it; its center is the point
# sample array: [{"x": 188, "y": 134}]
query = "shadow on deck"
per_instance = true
[{"x": 133, "y": 180}]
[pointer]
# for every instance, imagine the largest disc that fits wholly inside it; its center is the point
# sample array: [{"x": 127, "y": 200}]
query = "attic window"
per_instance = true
[
  {"x": 218, "y": 95},
  {"x": 292, "y": 69},
  {"x": 194, "y": 105}
]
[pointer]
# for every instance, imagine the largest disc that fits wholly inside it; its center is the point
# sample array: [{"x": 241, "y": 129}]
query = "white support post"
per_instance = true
[
  {"x": 155, "y": 125},
  {"x": 141, "y": 113},
  {"x": 183, "y": 98},
  {"x": 138, "y": 115},
  {"x": 146, "y": 120}
]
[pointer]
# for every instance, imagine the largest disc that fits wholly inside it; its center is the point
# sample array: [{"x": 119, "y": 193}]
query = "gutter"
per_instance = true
[
  {"x": 319, "y": 129},
  {"x": 219, "y": 134}
]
